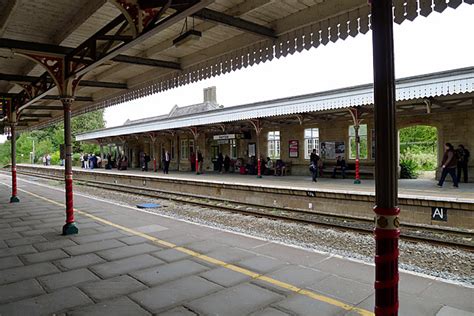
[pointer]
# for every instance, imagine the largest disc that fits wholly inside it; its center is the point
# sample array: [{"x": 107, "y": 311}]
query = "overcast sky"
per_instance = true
[{"x": 439, "y": 42}]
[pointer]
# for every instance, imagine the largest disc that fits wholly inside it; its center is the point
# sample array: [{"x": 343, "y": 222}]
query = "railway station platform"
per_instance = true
[
  {"x": 417, "y": 197},
  {"x": 129, "y": 262}
]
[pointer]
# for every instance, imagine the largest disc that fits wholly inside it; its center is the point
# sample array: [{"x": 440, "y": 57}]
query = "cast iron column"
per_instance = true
[
  {"x": 70, "y": 227},
  {"x": 13, "y": 198},
  {"x": 386, "y": 221}
]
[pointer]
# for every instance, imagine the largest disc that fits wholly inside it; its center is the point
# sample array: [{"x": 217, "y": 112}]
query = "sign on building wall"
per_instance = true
[
  {"x": 330, "y": 150},
  {"x": 228, "y": 136},
  {"x": 252, "y": 151},
  {"x": 293, "y": 148}
]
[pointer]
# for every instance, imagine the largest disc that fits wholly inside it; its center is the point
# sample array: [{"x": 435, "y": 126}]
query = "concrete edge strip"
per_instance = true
[{"x": 220, "y": 263}]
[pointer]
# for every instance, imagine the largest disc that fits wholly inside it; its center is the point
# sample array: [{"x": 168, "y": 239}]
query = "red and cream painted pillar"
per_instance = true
[
  {"x": 257, "y": 125},
  {"x": 14, "y": 198},
  {"x": 386, "y": 209},
  {"x": 70, "y": 227},
  {"x": 355, "y": 117}
]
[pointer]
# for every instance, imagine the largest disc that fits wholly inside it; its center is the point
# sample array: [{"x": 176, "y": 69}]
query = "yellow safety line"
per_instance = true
[{"x": 253, "y": 275}]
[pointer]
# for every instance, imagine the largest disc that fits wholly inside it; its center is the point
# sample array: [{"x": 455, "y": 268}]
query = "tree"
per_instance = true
[{"x": 48, "y": 140}]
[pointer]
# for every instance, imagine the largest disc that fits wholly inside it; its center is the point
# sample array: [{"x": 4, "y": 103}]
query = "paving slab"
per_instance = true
[
  {"x": 205, "y": 246},
  {"x": 303, "y": 305},
  {"x": 448, "y": 294},
  {"x": 10, "y": 262},
  {"x": 65, "y": 279},
  {"x": 179, "y": 311},
  {"x": 270, "y": 311},
  {"x": 80, "y": 261},
  {"x": 49, "y": 255},
  {"x": 235, "y": 301},
  {"x": 49, "y": 245},
  {"x": 97, "y": 237},
  {"x": 109, "y": 269},
  {"x": 122, "y": 306},
  {"x": 261, "y": 264},
  {"x": 19, "y": 290},
  {"x": 171, "y": 294},
  {"x": 24, "y": 241},
  {"x": 133, "y": 240},
  {"x": 343, "y": 289},
  {"x": 47, "y": 304},
  {"x": 150, "y": 228},
  {"x": 127, "y": 251},
  {"x": 109, "y": 288},
  {"x": 170, "y": 255},
  {"x": 450, "y": 311},
  {"x": 26, "y": 272},
  {"x": 168, "y": 272},
  {"x": 93, "y": 246},
  {"x": 225, "y": 277},
  {"x": 296, "y": 275}
]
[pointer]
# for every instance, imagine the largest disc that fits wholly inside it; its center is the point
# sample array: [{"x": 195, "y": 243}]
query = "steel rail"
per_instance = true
[{"x": 340, "y": 222}]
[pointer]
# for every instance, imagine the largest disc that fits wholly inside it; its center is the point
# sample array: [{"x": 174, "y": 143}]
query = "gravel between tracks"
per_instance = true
[{"x": 446, "y": 263}]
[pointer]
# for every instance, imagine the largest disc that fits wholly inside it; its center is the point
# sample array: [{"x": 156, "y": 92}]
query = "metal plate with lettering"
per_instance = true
[{"x": 439, "y": 214}]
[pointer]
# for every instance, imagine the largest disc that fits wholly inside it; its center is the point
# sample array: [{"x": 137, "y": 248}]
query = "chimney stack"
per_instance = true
[{"x": 210, "y": 95}]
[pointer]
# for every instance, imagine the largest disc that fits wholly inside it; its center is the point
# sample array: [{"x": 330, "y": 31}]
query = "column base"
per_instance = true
[
  {"x": 357, "y": 181},
  {"x": 70, "y": 229},
  {"x": 259, "y": 176},
  {"x": 14, "y": 199}
]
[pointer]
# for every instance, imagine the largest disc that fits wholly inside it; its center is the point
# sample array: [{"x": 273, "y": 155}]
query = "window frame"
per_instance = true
[
  {"x": 274, "y": 144},
  {"x": 313, "y": 139}
]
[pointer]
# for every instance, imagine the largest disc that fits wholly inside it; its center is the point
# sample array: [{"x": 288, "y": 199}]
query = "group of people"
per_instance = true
[
  {"x": 454, "y": 159},
  {"x": 46, "y": 160},
  {"x": 316, "y": 166},
  {"x": 90, "y": 161}
]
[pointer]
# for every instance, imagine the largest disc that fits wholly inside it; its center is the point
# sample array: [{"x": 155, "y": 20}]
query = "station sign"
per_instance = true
[
  {"x": 439, "y": 214},
  {"x": 228, "y": 136}
]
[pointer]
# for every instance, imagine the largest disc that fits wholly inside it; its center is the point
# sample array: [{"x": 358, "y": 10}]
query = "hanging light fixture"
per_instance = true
[{"x": 186, "y": 35}]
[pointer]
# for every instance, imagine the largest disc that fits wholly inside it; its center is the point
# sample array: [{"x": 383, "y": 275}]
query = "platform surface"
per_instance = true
[
  {"x": 418, "y": 188},
  {"x": 128, "y": 262}
]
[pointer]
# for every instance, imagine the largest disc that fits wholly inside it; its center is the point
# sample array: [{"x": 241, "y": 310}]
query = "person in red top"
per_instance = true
[{"x": 449, "y": 165}]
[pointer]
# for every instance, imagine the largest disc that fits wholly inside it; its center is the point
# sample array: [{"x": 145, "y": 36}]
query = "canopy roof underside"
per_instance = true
[
  {"x": 234, "y": 34},
  {"x": 448, "y": 90}
]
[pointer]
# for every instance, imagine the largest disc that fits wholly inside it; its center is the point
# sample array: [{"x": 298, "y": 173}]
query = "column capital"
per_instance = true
[{"x": 67, "y": 101}]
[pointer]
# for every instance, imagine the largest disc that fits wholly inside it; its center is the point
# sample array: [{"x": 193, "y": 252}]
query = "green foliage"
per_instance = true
[
  {"x": 408, "y": 169},
  {"x": 47, "y": 140},
  {"x": 418, "y": 148}
]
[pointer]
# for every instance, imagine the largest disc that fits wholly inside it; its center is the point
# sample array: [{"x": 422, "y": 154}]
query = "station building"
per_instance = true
[{"x": 290, "y": 128}]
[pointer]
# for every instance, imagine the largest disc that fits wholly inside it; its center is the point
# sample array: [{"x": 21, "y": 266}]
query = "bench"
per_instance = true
[{"x": 363, "y": 170}]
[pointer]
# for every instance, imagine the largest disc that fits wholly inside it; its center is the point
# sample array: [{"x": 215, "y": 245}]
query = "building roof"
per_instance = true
[
  {"x": 458, "y": 81},
  {"x": 133, "y": 60}
]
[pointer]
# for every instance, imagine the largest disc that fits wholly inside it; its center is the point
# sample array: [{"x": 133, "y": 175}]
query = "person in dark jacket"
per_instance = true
[
  {"x": 449, "y": 164},
  {"x": 313, "y": 165},
  {"x": 220, "y": 162},
  {"x": 463, "y": 159},
  {"x": 340, "y": 164}
]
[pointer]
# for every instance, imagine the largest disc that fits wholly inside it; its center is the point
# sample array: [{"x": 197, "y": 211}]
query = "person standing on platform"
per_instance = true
[
  {"x": 48, "y": 160},
  {"x": 220, "y": 162},
  {"x": 200, "y": 161},
  {"x": 314, "y": 162},
  {"x": 226, "y": 163},
  {"x": 192, "y": 161},
  {"x": 463, "y": 159},
  {"x": 166, "y": 162},
  {"x": 142, "y": 160},
  {"x": 147, "y": 160},
  {"x": 449, "y": 164}
]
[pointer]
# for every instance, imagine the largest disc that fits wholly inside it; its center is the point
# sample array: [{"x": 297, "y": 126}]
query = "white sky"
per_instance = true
[{"x": 439, "y": 42}]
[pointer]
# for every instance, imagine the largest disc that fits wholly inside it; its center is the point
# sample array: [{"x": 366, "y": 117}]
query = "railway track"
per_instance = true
[{"x": 409, "y": 232}]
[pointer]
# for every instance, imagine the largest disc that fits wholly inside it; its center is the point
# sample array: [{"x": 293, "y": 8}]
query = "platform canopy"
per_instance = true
[{"x": 119, "y": 50}]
